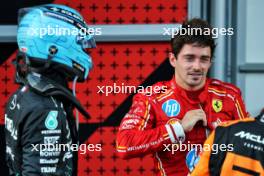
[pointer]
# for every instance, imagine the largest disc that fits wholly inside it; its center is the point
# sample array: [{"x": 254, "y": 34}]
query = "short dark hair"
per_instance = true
[{"x": 203, "y": 39}]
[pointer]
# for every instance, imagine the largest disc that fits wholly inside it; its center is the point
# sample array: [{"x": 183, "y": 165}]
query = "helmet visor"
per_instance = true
[{"x": 86, "y": 41}]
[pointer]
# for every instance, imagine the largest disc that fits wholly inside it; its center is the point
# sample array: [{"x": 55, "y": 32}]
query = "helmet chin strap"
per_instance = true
[
  {"x": 74, "y": 94},
  {"x": 52, "y": 52}
]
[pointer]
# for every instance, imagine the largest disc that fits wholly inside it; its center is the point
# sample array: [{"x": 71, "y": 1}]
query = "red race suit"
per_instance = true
[{"x": 152, "y": 124}]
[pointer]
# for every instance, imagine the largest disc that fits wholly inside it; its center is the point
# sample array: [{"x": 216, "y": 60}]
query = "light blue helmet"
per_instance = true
[{"x": 55, "y": 35}]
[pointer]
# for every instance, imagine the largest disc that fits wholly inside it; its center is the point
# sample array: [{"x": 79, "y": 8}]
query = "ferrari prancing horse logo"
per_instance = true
[{"x": 217, "y": 105}]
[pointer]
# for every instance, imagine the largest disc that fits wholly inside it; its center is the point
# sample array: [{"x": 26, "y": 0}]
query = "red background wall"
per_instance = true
[{"x": 129, "y": 63}]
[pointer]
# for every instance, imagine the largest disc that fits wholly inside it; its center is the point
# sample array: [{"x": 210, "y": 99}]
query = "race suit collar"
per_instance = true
[
  {"x": 48, "y": 87},
  {"x": 203, "y": 92}
]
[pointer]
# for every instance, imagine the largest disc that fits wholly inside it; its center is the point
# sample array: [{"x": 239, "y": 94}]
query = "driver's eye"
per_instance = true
[
  {"x": 205, "y": 60},
  {"x": 189, "y": 59}
]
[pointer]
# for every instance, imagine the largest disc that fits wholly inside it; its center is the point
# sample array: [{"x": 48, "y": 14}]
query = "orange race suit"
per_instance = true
[
  {"x": 247, "y": 155},
  {"x": 151, "y": 125}
]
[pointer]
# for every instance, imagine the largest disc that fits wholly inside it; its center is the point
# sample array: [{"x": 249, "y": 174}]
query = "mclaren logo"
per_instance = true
[
  {"x": 251, "y": 137},
  {"x": 262, "y": 118}
]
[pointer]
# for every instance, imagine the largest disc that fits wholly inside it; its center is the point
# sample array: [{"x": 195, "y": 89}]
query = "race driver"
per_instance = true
[
  {"x": 39, "y": 115},
  {"x": 191, "y": 106},
  {"x": 246, "y": 156}
]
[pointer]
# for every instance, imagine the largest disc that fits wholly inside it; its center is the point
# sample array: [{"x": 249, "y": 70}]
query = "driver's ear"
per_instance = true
[{"x": 172, "y": 59}]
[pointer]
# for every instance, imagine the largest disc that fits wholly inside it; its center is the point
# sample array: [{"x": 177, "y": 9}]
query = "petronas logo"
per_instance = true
[{"x": 51, "y": 121}]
